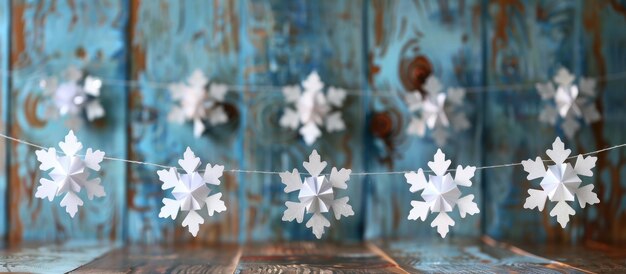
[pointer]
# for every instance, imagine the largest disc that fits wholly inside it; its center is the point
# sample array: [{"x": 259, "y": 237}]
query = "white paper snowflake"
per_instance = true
[
  {"x": 70, "y": 173},
  {"x": 317, "y": 194},
  {"x": 76, "y": 94},
  {"x": 438, "y": 111},
  {"x": 561, "y": 182},
  {"x": 313, "y": 109},
  {"x": 190, "y": 191},
  {"x": 567, "y": 104},
  {"x": 441, "y": 193},
  {"x": 198, "y": 105}
]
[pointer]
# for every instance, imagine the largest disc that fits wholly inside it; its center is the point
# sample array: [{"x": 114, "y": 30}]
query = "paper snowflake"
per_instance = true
[
  {"x": 437, "y": 111},
  {"x": 190, "y": 191},
  {"x": 313, "y": 109},
  {"x": 441, "y": 193},
  {"x": 198, "y": 105},
  {"x": 561, "y": 182},
  {"x": 317, "y": 194},
  {"x": 76, "y": 94},
  {"x": 568, "y": 104},
  {"x": 70, "y": 173}
]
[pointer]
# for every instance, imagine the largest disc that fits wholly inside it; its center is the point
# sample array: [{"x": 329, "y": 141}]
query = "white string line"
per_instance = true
[
  {"x": 357, "y": 92},
  {"x": 277, "y": 172},
  {"x": 380, "y": 93}
]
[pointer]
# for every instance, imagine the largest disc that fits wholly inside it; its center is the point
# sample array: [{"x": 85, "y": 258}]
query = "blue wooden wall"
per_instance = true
[{"x": 383, "y": 47}]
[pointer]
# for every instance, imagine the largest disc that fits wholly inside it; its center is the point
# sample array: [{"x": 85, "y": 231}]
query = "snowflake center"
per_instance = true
[
  {"x": 191, "y": 191},
  {"x": 561, "y": 182},
  {"x": 317, "y": 194},
  {"x": 566, "y": 100},
  {"x": 68, "y": 174},
  {"x": 312, "y": 107},
  {"x": 441, "y": 193},
  {"x": 434, "y": 111},
  {"x": 69, "y": 97}
]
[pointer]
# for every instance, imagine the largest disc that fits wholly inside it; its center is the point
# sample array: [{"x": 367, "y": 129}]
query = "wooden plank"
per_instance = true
[
  {"x": 603, "y": 54},
  {"x": 5, "y": 19},
  {"x": 170, "y": 39},
  {"x": 46, "y": 38},
  {"x": 468, "y": 255},
  {"x": 407, "y": 42},
  {"x": 313, "y": 257},
  {"x": 54, "y": 258},
  {"x": 528, "y": 42},
  {"x": 282, "y": 42},
  {"x": 591, "y": 256},
  {"x": 170, "y": 259}
]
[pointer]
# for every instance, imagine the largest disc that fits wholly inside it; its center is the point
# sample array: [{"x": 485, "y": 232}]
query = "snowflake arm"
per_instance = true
[
  {"x": 558, "y": 153},
  {"x": 315, "y": 165},
  {"x": 342, "y": 208},
  {"x": 170, "y": 208},
  {"x": 534, "y": 168},
  {"x": 213, "y": 173},
  {"x": 586, "y": 196},
  {"x": 440, "y": 164},
  {"x": 463, "y": 176},
  {"x": 536, "y": 199},
  {"x": 416, "y": 180},
  {"x": 467, "y": 206},
  {"x": 294, "y": 211},
  {"x": 339, "y": 178},
  {"x": 169, "y": 177},
  {"x": 317, "y": 223},
  {"x": 584, "y": 165},
  {"x": 93, "y": 159},
  {"x": 443, "y": 222},
  {"x": 47, "y": 189},
  {"x": 420, "y": 210},
  {"x": 214, "y": 204},
  {"x": 336, "y": 96},
  {"x": 562, "y": 211},
  {"x": 193, "y": 222}
]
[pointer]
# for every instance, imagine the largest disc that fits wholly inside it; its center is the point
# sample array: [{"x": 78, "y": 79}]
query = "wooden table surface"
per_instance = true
[{"x": 483, "y": 255}]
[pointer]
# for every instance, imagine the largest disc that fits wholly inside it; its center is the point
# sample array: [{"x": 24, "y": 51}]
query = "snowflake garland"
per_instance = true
[
  {"x": 437, "y": 111},
  {"x": 77, "y": 94},
  {"x": 441, "y": 193},
  {"x": 317, "y": 194},
  {"x": 70, "y": 173},
  {"x": 568, "y": 103},
  {"x": 190, "y": 191},
  {"x": 313, "y": 109},
  {"x": 560, "y": 182},
  {"x": 198, "y": 105}
]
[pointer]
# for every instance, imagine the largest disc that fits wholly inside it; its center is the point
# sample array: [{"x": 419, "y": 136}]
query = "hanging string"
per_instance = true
[
  {"x": 278, "y": 89},
  {"x": 278, "y": 172}
]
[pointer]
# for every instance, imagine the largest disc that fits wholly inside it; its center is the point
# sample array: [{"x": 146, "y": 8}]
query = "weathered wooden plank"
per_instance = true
[
  {"x": 170, "y": 259},
  {"x": 468, "y": 255},
  {"x": 54, "y": 258},
  {"x": 5, "y": 19},
  {"x": 170, "y": 39},
  {"x": 46, "y": 38},
  {"x": 591, "y": 256},
  {"x": 528, "y": 42},
  {"x": 407, "y": 42},
  {"x": 282, "y": 42},
  {"x": 603, "y": 53},
  {"x": 313, "y": 257}
]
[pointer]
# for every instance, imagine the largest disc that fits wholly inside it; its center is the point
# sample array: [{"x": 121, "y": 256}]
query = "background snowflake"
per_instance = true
[
  {"x": 317, "y": 194},
  {"x": 438, "y": 111},
  {"x": 70, "y": 173},
  {"x": 76, "y": 94},
  {"x": 568, "y": 103},
  {"x": 561, "y": 182},
  {"x": 190, "y": 191},
  {"x": 441, "y": 193},
  {"x": 196, "y": 104},
  {"x": 313, "y": 109}
]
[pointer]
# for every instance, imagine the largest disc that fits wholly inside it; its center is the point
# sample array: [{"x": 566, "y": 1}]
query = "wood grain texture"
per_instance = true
[
  {"x": 5, "y": 19},
  {"x": 471, "y": 256},
  {"x": 170, "y": 39},
  {"x": 407, "y": 42},
  {"x": 170, "y": 259},
  {"x": 313, "y": 257},
  {"x": 527, "y": 42},
  {"x": 52, "y": 258},
  {"x": 46, "y": 38},
  {"x": 282, "y": 43}
]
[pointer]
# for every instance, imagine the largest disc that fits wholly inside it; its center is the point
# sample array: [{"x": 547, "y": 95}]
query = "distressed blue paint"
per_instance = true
[
  {"x": 5, "y": 19},
  {"x": 287, "y": 40},
  {"x": 171, "y": 40},
  {"x": 448, "y": 36},
  {"x": 56, "y": 35}
]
